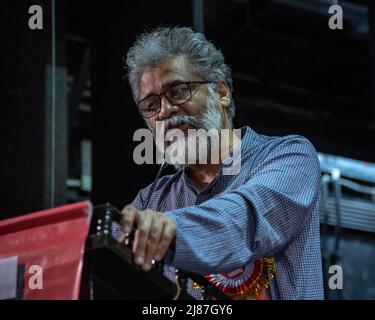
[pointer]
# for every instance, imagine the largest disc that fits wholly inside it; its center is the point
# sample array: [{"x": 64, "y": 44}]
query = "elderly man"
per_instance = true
[{"x": 254, "y": 233}]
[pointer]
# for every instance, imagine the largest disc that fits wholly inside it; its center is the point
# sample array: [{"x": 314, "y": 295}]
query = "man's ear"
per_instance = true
[{"x": 224, "y": 94}]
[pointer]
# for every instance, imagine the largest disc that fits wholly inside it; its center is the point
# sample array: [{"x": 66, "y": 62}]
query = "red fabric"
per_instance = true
[
  {"x": 262, "y": 296},
  {"x": 54, "y": 240}
]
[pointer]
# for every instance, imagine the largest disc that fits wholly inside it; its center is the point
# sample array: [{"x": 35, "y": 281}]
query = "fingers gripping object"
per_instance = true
[{"x": 104, "y": 226}]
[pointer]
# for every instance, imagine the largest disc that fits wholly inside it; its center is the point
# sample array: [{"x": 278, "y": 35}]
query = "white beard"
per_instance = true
[{"x": 181, "y": 149}]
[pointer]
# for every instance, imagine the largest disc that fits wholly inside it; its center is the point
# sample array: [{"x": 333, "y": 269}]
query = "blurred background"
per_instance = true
[{"x": 67, "y": 117}]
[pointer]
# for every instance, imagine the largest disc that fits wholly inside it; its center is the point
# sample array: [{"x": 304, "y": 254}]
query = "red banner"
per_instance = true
[{"x": 41, "y": 254}]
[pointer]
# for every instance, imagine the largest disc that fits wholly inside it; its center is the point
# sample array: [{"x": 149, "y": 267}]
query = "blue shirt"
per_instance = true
[{"x": 270, "y": 208}]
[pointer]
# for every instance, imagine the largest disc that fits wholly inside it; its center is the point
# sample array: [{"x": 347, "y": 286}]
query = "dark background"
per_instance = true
[{"x": 62, "y": 88}]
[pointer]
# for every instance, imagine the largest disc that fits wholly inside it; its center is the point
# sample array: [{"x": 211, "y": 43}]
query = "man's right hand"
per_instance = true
[{"x": 153, "y": 236}]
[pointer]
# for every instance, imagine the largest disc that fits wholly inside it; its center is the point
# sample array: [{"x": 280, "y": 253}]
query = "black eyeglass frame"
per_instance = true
[{"x": 188, "y": 83}]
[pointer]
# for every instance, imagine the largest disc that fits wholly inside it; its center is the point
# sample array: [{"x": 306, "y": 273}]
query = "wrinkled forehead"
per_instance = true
[{"x": 157, "y": 78}]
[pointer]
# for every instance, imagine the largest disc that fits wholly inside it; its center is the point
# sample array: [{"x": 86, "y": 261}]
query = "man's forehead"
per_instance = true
[{"x": 165, "y": 73}]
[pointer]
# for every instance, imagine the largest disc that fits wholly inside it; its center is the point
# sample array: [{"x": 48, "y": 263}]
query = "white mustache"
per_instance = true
[{"x": 177, "y": 121}]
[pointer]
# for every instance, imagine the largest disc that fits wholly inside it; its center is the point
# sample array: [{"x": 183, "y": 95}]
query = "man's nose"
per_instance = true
[{"x": 166, "y": 109}]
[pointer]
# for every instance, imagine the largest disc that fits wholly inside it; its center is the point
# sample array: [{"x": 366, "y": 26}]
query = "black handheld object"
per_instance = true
[
  {"x": 126, "y": 280},
  {"x": 107, "y": 214}
]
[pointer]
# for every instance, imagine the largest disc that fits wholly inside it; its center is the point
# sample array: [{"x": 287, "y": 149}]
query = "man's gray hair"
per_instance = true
[{"x": 152, "y": 48}]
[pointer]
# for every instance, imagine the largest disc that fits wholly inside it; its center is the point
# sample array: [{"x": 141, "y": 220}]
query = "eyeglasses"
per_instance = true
[{"x": 177, "y": 94}]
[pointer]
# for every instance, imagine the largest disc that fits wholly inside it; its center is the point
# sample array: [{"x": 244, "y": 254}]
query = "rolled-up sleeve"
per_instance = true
[{"x": 258, "y": 219}]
